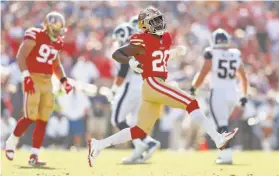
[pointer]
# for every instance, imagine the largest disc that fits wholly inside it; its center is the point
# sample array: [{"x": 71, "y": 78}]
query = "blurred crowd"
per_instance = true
[{"x": 86, "y": 57}]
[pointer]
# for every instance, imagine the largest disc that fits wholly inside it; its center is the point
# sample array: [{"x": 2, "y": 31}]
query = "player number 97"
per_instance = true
[{"x": 45, "y": 51}]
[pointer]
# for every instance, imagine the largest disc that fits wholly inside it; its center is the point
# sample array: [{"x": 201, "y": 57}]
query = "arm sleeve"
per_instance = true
[
  {"x": 207, "y": 54},
  {"x": 136, "y": 39},
  {"x": 30, "y": 34},
  {"x": 124, "y": 68}
]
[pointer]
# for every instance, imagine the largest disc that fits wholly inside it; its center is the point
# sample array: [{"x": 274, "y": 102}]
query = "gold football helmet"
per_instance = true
[
  {"x": 55, "y": 25},
  {"x": 152, "y": 21}
]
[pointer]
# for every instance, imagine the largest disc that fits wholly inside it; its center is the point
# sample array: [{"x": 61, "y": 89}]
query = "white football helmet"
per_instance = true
[
  {"x": 122, "y": 33},
  {"x": 134, "y": 22},
  {"x": 152, "y": 21},
  {"x": 220, "y": 38}
]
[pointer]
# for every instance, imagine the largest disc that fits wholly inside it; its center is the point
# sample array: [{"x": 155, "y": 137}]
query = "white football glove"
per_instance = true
[
  {"x": 112, "y": 93},
  {"x": 134, "y": 64},
  {"x": 180, "y": 50}
]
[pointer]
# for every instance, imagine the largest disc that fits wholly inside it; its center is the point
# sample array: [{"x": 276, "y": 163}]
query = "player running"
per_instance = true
[
  {"x": 224, "y": 63},
  {"x": 38, "y": 58},
  {"x": 127, "y": 100},
  {"x": 148, "y": 53}
]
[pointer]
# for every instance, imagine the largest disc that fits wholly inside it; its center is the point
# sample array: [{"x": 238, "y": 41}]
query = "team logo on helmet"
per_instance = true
[{"x": 142, "y": 16}]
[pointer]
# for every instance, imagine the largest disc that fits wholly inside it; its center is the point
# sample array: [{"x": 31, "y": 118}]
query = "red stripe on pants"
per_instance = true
[
  {"x": 166, "y": 93},
  {"x": 172, "y": 90}
]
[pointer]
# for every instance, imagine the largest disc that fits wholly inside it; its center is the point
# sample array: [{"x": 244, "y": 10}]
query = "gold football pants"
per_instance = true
[
  {"x": 155, "y": 93},
  {"x": 40, "y": 104}
]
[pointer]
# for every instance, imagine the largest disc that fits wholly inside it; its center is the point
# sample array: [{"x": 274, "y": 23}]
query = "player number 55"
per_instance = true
[
  {"x": 160, "y": 64},
  {"x": 45, "y": 52},
  {"x": 227, "y": 69}
]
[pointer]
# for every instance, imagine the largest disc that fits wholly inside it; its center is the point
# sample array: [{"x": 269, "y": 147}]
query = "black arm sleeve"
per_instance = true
[
  {"x": 124, "y": 68},
  {"x": 207, "y": 55}
]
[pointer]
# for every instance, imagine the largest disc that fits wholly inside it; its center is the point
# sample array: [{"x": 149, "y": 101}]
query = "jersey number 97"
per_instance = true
[{"x": 45, "y": 53}]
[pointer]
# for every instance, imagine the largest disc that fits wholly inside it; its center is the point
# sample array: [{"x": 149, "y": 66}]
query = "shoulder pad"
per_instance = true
[
  {"x": 137, "y": 39},
  {"x": 167, "y": 38},
  {"x": 235, "y": 51},
  {"x": 60, "y": 41},
  {"x": 207, "y": 53},
  {"x": 31, "y": 33}
]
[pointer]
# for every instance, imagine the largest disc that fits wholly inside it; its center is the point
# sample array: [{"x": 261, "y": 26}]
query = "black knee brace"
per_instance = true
[{"x": 122, "y": 125}]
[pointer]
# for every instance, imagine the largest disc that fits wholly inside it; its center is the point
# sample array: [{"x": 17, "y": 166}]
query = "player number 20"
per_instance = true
[
  {"x": 160, "y": 64},
  {"x": 45, "y": 52}
]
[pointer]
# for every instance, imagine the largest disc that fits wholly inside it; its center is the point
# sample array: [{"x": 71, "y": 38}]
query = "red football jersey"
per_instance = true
[
  {"x": 44, "y": 53},
  {"x": 156, "y": 55}
]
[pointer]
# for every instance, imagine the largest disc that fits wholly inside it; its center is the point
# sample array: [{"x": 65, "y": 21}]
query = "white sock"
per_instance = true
[
  {"x": 266, "y": 145},
  {"x": 35, "y": 151},
  {"x": 11, "y": 142},
  {"x": 117, "y": 138},
  {"x": 200, "y": 118},
  {"x": 137, "y": 142},
  {"x": 148, "y": 139},
  {"x": 225, "y": 154},
  {"x": 13, "y": 138}
]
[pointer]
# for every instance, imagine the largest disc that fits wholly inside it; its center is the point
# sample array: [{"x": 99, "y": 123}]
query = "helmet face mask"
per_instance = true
[
  {"x": 55, "y": 25},
  {"x": 220, "y": 39},
  {"x": 157, "y": 24}
]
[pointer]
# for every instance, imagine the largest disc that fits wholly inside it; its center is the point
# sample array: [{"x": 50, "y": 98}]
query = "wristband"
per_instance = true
[
  {"x": 25, "y": 73},
  {"x": 193, "y": 88},
  {"x": 63, "y": 79}
]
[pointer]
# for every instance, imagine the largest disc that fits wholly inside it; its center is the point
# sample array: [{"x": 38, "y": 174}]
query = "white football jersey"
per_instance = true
[
  {"x": 132, "y": 77},
  {"x": 121, "y": 34},
  {"x": 225, "y": 63}
]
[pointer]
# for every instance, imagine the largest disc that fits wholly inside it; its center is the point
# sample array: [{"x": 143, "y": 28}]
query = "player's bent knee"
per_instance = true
[
  {"x": 44, "y": 119},
  {"x": 137, "y": 132},
  {"x": 192, "y": 106},
  {"x": 32, "y": 118}
]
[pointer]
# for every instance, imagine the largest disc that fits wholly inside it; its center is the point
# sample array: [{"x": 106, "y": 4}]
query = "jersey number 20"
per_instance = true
[
  {"x": 160, "y": 64},
  {"x": 45, "y": 52},
  {"x": 226, "y": 68}
]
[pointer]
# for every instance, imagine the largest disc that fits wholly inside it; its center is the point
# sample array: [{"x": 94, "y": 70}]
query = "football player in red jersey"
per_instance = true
[
  {"x": 148, "y": 53},
  {"x": 38, "y": 58}
]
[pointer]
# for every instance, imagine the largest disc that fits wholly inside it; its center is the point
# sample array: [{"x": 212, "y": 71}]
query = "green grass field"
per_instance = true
[{"x": 163, "y": 163}]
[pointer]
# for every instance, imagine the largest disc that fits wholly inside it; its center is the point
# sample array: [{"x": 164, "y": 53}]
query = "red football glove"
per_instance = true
[
  {"x": 67, "y": 86},
  {"x": 29, "y": 85}
]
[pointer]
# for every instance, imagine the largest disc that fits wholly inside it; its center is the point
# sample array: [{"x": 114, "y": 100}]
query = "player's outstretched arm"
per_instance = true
[
  {"x": 200, "y": 76},
  {"x": 124, "y": 54},
  {"x": 60, "y": 74},
  {"x": 244, "y": 84},
  {"x": 121, "y": 75},
  {"x": 25, "y": 48}
]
